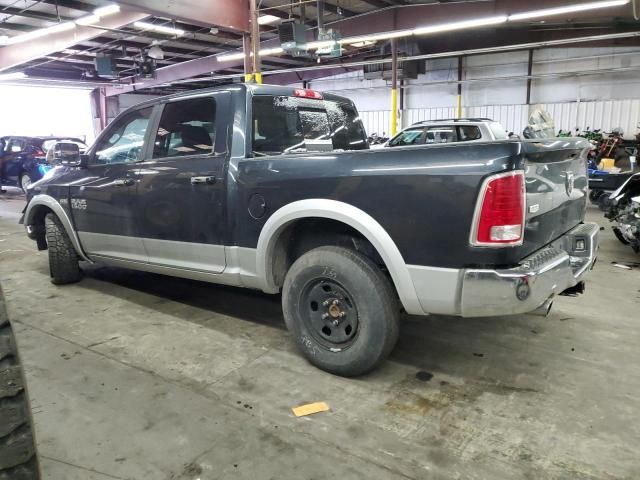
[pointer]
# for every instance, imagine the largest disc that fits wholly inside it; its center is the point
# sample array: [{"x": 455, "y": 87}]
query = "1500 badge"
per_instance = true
[{"x": 79, "y": 203}]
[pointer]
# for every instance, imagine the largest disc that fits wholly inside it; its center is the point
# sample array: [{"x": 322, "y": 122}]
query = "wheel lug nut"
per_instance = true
[
  {"x": 342, "y": 314},
  {"x": 325, "y": 316},
  {"x": 335, "y": 322},
  {"x": 336, "y": 302},
  {"x": 325, "y": 303}
]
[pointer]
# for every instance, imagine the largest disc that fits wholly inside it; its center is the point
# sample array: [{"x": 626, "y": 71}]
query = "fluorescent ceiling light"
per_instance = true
[
  {"x": 159, "y": 28},
  {"x": 4, "y": 39},
  {"x": 88, "y": 20},
  {"x": 321, "y": 44},
  {"x": 271, "y": 51},
  {"x": 265, "y": 52},
  {"x": 374, "y": 37},
  {"x": 448, "y": 27},
  {"x": 267, "y": 19},
  {"x": 576, "y": 8},
  {"x": 13, "y": 76},
  {"x": 228, "y": 57},
  {"x": 41, "y": 32},
  {"x": 106, "y": 10}
]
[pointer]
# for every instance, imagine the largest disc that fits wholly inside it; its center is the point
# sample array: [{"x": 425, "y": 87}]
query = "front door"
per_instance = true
[
  {"x": 181, "y": 189},
  {"x": 103, "y": 201}
]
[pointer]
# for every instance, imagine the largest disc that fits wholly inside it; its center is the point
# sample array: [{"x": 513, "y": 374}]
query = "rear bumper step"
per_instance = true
[{"x": 556, "y": 269}]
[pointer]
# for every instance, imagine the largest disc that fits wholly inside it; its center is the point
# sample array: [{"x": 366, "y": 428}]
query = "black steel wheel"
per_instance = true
[
  {"x": 329, "y": 312},
  {"x": 341, "y": 310}
]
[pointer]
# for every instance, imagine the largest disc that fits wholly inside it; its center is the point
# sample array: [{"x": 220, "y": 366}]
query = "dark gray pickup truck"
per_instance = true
[{"x": 275, "y": 188}]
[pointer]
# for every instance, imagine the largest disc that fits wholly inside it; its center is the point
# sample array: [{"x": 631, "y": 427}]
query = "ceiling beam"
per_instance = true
[
  {"x": 232, "y": 14},
  {"x": 14, "y": 55},
  {"x": 71, "y": 4},
  {"x": 21, "y": 12},
  {"x": 387, "y": 20}
]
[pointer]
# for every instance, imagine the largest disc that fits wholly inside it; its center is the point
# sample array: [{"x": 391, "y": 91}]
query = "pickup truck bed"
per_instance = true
[{"x": 275, "y": 188}]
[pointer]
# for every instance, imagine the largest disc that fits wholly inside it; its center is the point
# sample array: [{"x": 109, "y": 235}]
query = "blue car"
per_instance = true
[{"x": 23, "y": 159}]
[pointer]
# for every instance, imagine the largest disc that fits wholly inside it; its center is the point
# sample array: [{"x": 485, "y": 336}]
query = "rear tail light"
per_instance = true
[
  {"x": 500, "y": 212},
  {"x": 306, "y": 93}
]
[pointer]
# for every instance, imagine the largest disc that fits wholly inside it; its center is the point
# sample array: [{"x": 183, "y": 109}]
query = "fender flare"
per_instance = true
[
  {"x": 349, "y": 215},
  {"x": 54, "y": 205}
]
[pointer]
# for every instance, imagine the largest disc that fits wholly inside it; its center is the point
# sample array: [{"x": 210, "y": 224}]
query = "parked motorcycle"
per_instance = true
[
  {"x": 375, "y": 139},
  {"x": 622, "y": 208}
]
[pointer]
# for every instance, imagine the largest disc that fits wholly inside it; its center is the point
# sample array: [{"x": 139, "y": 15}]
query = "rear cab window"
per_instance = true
[{"x": 286, "y": 124}]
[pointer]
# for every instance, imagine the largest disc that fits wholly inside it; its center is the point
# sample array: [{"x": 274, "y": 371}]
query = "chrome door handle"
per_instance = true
[
  {"x": 203, "y": 180},
  {"x": 124, "y": 182}
]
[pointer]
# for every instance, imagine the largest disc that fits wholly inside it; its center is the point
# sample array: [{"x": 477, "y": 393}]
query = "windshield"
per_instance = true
[{"x": 289, "y": 124}]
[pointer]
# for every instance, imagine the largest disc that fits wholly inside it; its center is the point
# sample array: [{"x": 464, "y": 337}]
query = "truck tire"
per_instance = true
[
  {"x": 18, "y": 459},
  {"x": 341, "y": 309},
  {"x": 63, "y": 259}
]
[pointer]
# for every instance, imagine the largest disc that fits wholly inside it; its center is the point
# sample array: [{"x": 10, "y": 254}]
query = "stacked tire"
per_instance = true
[{"x": 18, "y": 458}]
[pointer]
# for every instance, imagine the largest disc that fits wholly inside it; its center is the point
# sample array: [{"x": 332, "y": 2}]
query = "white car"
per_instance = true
[{"x": 448, "y": 131}]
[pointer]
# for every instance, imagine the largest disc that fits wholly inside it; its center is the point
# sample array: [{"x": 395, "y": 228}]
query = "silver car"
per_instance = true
[{"x": 449, "y": 131}]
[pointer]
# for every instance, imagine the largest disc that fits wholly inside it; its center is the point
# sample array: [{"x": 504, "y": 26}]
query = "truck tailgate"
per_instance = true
[{"x": 556, "y": 185}]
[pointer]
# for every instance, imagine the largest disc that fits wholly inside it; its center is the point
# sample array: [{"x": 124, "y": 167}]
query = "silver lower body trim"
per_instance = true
[{"x": 239, "y": 272}]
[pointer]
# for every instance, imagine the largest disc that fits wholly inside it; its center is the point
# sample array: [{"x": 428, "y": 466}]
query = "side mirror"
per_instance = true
[{"x": 65, "y": 153}]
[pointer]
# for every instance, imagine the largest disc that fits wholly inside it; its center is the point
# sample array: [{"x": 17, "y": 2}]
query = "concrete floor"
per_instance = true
[{"x": 140, "y": 376}]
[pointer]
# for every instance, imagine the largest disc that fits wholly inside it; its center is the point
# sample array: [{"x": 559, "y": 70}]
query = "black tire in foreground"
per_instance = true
[
  {"x": 18, "y": 458},
  {"x": 63, "y": 259},
  {"x": 341, "y": 310}
]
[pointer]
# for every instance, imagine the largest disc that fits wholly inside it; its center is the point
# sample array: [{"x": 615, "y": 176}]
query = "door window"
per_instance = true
[
  {"x": 444, "y": 134},
  {"x": 124, "y": 141},
  {"x": 186, "y": 128},
  {"x": 411, "y": 136},
  {"x": 466, "y": 133}
]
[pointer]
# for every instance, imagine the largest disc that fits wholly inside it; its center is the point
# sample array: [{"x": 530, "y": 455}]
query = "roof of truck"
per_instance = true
[{"x": 253, "y": 88}]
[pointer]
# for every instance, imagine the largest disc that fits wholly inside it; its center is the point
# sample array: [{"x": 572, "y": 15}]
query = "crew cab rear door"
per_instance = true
[{"x": 180, "y": 207}]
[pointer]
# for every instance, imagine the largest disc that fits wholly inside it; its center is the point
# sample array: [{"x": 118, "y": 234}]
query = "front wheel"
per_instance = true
[
  {"x": 63, "y": 259},
  {"x": 341, "y": 310}
]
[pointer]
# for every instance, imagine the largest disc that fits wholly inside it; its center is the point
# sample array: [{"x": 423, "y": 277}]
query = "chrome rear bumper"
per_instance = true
[{"x": 538, "y": 278}]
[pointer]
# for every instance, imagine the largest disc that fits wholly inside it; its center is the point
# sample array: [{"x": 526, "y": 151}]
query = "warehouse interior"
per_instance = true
[{"x": 164, "y": 296}]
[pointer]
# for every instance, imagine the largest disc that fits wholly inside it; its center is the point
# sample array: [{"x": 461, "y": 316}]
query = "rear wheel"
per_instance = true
[
  {"x": 18, "y": 459},
  {"x": 63, "y": 259},
  {"x": 341, "y": 310}
]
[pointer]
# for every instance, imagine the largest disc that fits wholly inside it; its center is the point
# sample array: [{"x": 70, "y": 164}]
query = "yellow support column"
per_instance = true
[
  {"x": 394, "y": 87},
  {"x": 394, "y": 111},
  {"x": 459, "y": 107}
]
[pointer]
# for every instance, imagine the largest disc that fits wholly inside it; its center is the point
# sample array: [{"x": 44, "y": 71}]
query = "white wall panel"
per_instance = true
[{"x": 605, "y": 115}]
